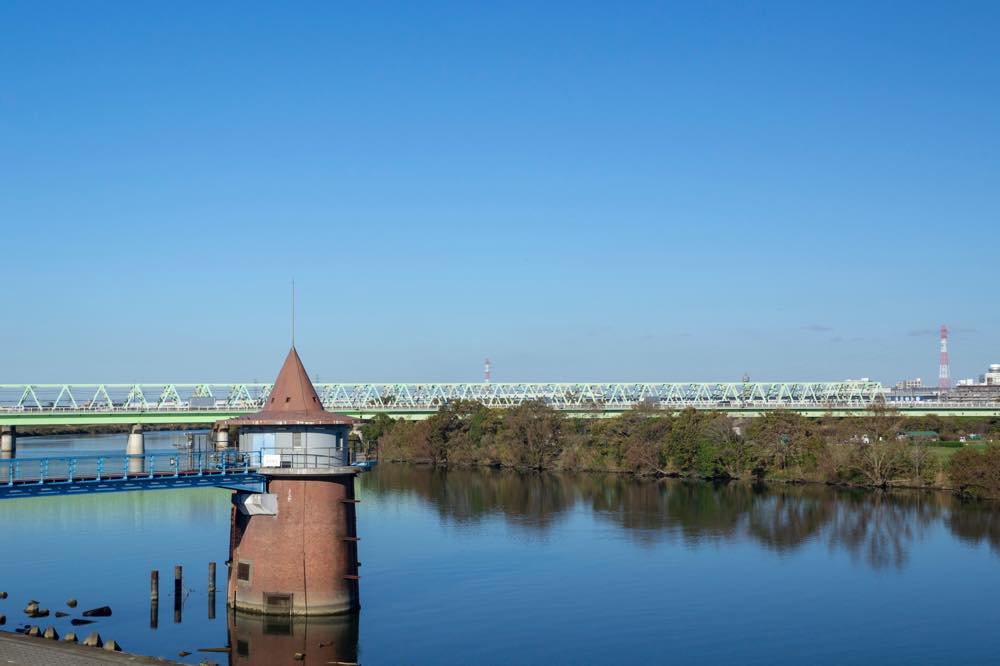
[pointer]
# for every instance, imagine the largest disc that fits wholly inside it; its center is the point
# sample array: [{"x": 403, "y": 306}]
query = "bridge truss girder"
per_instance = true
[{"x": 429, "y": 396}]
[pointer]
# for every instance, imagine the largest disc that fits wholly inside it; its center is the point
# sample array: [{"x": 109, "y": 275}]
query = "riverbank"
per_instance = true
[
  {"x": 879, "y": 449},
  {"x": 30, "y": 651},
  {"x": 898, "y": 484}
]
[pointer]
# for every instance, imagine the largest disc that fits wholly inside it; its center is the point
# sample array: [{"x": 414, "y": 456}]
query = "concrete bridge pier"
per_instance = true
[
  {"x": 8, "y": 447},
  {"x": 136, "y": 446},
  {"x": 221, "y": 436},
  {"x": 8, "y": 442}
]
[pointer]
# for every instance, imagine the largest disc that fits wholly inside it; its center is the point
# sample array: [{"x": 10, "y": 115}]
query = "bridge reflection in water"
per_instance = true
[{"x": 258, "y": 640}]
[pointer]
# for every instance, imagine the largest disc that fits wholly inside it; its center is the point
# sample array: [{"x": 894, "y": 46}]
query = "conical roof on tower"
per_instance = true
[{"x": 293, "y": 400}]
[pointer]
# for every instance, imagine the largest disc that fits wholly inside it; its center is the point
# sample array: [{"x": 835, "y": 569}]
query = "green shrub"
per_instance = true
[{"x": 976, "y": 473}]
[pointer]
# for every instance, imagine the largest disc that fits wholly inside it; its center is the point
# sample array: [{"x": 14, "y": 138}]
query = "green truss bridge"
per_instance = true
[{"x": 95, "y": 404}]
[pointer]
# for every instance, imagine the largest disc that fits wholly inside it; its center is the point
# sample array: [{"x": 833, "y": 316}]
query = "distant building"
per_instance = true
[
  {"x": 987, "y": 389},
  {"x": 910, "y": 384},
  {"x": 912, "y": 390},
  {"x": 989, "y": 378},
  {"x": 976, "y": 393},
  {"x": 917, "y": 394}
]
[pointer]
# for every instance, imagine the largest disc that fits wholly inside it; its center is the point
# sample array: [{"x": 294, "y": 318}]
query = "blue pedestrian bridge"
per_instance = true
[{"x": 230, "y": 468}]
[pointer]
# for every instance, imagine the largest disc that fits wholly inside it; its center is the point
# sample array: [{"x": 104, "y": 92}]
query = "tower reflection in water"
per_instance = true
[{"x": 264, "y": 640}]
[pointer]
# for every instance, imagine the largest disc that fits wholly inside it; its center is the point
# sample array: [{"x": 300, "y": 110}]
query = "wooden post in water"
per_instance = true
[
  {"x": 211, "y": 590},
  {"x": 178, "y": 583},
  {"x": 154, "y": 599}
]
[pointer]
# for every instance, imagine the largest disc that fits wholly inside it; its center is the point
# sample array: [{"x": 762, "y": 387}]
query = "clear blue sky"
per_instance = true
[{"x": 668, "y": 191}]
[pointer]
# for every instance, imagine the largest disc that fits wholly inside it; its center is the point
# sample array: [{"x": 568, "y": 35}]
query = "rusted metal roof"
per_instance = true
[{"x": 293, "y": 401}]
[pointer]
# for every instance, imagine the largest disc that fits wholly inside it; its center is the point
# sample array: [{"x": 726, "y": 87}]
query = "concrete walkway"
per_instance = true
[{"x": 28, "y": 651}]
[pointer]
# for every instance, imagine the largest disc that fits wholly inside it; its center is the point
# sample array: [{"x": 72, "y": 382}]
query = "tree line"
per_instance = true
[{"x": 863, "y": 450}]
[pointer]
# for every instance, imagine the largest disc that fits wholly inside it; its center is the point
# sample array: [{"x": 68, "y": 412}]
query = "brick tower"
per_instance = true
[{"x": 293, "y": 549}]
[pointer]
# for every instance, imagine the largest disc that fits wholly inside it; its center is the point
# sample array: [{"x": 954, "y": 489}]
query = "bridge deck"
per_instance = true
[
  {"x": 229, "y": 468},
  {"x": 31, "y": 477}
]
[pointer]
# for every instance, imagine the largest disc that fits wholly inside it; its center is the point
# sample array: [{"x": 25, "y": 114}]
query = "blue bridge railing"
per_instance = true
[
  {"x": 229, "y": 468},
  {"x": 65, "y": 474}
]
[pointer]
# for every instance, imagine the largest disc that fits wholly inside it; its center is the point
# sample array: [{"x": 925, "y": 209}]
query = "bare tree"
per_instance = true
[
  {"x": 919, "y": 455},
  {"x": 879, "y": 462}
]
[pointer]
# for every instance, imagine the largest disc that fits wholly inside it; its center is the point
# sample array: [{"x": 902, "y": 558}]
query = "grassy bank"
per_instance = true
[{"x": 779, "y": 446}]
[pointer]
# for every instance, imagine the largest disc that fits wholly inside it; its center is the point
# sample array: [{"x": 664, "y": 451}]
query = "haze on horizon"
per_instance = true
[{"x": 649, "y": 191}]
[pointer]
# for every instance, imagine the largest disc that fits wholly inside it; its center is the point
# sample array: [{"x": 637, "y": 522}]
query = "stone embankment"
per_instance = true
[{"x": 28, "y": 651}]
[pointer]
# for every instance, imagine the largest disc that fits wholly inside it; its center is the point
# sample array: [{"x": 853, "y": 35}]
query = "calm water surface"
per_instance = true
[{"x": 483, "y": 566}]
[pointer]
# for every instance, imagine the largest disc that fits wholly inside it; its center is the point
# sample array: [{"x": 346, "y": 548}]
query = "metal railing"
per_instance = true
[
  {"x": 79, "y": 469},
  {"x": 230, "y": 468},
  {"x": 323, "y": 458}
]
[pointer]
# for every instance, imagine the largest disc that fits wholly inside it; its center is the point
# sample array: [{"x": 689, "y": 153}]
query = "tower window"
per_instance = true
[
  {"x": 243, "y": 571},
  {"x": 278, "y": 603}
]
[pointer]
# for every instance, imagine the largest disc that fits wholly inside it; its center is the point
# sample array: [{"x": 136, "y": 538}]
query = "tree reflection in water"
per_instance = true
[
  {"x": 875, "y": 527},
  {"x": 880, "y": 526},
  {"x": 976, "y": 522}
]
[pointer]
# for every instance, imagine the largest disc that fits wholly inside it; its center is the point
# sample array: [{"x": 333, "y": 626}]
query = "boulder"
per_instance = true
[
  {"x": 298, "y": 656},
  {"x": 93, "y": 640},
  {"x": 71, "y": 603},
  {"x": 51, "y": 633},
  {"x": 76, "y": 622},
  {"x": 3, "y": 595},
  {"x": 69, "y": 637},
  {"x": 3, "y": 620},
  {"x": 33, "y": 631},
  {"x": 31, "y": 608},
  {"x": 112, "y": 646},
  {"x": 103, "y": 611},
  {"x": 61, "y": 614}
]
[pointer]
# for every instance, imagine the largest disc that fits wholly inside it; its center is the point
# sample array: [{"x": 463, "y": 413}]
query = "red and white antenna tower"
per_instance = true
[
  {"x": 944, "y": 374},
  {"x": 486, "y": 371}
]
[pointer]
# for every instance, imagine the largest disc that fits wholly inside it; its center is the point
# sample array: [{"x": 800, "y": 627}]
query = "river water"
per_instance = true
[{"x": 499, "y": 567}]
